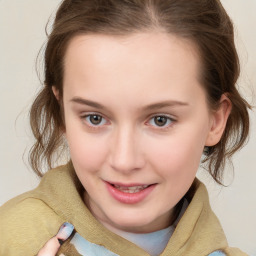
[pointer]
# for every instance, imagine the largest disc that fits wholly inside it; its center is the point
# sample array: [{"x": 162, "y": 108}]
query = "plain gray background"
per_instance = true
[{"x": 22, "y": 24}]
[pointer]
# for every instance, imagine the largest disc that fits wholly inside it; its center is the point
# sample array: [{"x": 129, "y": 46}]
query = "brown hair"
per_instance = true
[{"x": 205, "y": 22}]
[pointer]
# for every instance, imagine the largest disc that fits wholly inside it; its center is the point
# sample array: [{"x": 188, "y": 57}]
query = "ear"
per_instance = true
[
  {"x": 56, "y": 92},
  {"x": 219, "y": 121}
]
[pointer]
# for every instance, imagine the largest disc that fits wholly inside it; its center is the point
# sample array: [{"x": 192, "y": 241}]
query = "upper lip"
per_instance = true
[{"x": 128, "y": 184}]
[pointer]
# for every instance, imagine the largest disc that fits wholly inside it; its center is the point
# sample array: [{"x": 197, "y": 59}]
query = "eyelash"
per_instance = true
[
  {"x": 88, "y": 122},
  {"x": 170, "y": 121}
]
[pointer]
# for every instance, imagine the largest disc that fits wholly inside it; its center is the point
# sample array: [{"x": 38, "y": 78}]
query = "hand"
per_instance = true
[{"x": 52, "y": 246}]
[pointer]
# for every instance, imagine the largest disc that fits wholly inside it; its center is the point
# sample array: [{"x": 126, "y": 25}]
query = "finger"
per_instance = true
[
  {"x": 53, "y": 245},
  {"x": 65, "y": 232},
  {"x": 50, "y": 248}
]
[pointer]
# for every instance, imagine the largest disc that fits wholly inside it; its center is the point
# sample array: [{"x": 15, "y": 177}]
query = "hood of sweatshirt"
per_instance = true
[{"x": 198, "y": 232}]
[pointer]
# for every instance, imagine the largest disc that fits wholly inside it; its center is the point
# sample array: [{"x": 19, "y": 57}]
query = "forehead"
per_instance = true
[
  {"x": 156, "y": 62},
  {"x": 157, "y": 45}
]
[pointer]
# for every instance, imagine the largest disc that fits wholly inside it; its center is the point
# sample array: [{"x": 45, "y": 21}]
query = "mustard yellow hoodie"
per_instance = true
[{"x": 28, "y": 221}]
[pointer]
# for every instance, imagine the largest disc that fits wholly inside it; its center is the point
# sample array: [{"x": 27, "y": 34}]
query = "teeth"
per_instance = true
[{"x": 131, "y": 190}]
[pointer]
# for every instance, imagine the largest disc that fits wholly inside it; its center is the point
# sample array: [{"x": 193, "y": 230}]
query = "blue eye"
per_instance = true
[
  {"x": 95, "y": 120},
  {"x": 160, "y": 121}
]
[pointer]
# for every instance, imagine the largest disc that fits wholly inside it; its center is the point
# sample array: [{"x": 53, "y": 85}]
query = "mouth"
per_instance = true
[
  {"x": 129, "y": 193},
  {"x": 130, "y": 189}
]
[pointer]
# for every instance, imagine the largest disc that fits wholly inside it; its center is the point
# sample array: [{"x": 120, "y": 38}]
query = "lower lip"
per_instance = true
[{"x": 129, "y": 198}]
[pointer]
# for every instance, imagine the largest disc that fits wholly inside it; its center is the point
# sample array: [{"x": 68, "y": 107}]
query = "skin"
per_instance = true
[
  {"x": 52, "y": 246},
  {"x": 126, "y": 77}
]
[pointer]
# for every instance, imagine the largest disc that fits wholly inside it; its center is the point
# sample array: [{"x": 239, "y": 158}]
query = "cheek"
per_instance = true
[
  {"x": 176, "y": 161},
  {"x": 87, "y": 153},
  {"x": 177, "y": 155}
]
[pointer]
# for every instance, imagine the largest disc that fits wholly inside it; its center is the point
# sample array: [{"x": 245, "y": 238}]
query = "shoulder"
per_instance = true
[{"x": 25, "y": 224}]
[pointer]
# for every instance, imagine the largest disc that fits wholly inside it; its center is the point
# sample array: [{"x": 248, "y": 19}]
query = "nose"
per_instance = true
[{"x": 126, "y": 153}]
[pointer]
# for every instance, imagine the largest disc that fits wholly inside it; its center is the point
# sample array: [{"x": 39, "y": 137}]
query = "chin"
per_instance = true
[{"x": 134, "y": 223}]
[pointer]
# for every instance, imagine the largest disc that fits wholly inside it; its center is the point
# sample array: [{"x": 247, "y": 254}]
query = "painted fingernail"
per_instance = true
[{"x": 65, "y": 231}]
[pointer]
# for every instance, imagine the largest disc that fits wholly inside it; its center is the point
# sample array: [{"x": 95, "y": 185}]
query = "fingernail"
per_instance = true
[{"x": 65, "y": 231}]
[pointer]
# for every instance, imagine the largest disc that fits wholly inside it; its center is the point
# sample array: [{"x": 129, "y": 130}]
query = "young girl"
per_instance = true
[{"x": 141, "y": 92}]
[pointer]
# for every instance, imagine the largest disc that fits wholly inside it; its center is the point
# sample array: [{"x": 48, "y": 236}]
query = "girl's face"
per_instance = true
[{"x": 136, "y": 122}]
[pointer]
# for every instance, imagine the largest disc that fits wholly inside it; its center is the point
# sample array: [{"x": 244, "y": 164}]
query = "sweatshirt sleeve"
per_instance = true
[{"x": 25, "y": 226}]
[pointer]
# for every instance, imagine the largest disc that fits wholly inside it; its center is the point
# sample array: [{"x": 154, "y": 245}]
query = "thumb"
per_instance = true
[{"x": 53, "y": 245}]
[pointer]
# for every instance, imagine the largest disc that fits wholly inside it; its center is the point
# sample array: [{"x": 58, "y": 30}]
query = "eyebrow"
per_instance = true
[
  {"x": 158, "y": 105},
  {"x": 87, "y": 102},
  {"x": 168, "y": 103}
]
